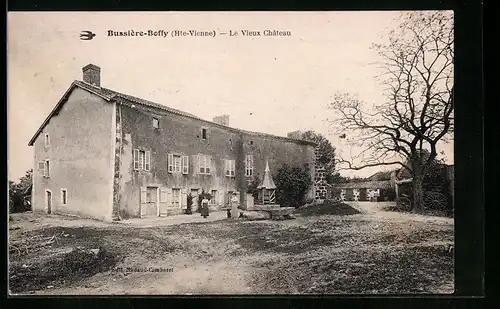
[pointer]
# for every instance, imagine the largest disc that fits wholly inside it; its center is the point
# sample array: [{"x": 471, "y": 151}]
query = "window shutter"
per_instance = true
[
  {"x": 41, "y": 166},
  {"x": 170, "y": 162},
  {"x": 196, "y": 169},
  {"x": 221, "y": 198},
  {"x": 200, "y": 164},
  {"x": 143, "y": 201},
  {"x": 210, "y": 165},
  {"x": 147, "y": 163},
  {"x": 185, "y": 164},
  {"x": 136, "y": 159},
  {"x": 183, "y": 198},
  {"x": 169, "y": 197},
  {"x": 163, "y": 201},
  {"x": 226, "y": 167}
]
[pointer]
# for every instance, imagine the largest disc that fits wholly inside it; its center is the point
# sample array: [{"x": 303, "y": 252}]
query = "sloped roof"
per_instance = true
[
  {"x": 267, "y": 182},
  {"x": 115, "y": 94},
  {"x": 109, "y": 95},
  {"x": 384, "y": 184}
]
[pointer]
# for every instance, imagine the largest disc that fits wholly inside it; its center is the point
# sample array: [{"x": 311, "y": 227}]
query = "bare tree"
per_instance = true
[{"x": 417, "y": 72}]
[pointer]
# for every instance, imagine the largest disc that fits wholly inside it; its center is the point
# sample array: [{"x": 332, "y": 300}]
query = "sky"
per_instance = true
[{"x": 267, "y": 84}]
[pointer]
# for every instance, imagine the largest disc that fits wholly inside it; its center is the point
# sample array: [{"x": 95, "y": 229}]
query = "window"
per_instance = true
[
  {"x": 185, "y": 164},
  {"x": 178, "y": 163},
  {"x": 248, "y": 165},
  {"x": 142, "y": 160},
  {"x": 47, "y": 140},
  {"x": 46, "y": 170},
  {"x": 176, "y": 198},
  {"x": 214, "y": 200},
  {"x": 204, "y": 164},
  {"x": 156, "y": 123},
  {"x": 204, "y": 133},
  {"x": 64, "y": 196},
  {"x": 230, "y": 168}
]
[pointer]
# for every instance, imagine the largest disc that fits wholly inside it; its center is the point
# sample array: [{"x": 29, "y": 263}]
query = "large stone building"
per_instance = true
[{"x": 107, "y": 155}]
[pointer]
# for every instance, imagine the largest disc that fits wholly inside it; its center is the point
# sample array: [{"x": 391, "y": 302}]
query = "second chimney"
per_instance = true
[
  {"x": 92, "y": 75},
  {"x": 222, "y": 119}
]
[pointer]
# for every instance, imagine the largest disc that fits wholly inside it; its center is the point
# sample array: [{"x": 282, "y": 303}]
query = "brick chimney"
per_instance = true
[
  {"x": 222, "y": 119},
  {"x": 92, "y": 75}
]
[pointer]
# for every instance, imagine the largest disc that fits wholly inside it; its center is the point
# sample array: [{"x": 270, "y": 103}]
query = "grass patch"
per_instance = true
[
  {"x": 327, "y": 208},
  {"x": 67, "y": 267}
]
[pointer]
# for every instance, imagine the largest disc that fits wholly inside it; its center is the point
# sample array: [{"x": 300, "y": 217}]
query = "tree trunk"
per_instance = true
[{"x": 418, "y": 195}]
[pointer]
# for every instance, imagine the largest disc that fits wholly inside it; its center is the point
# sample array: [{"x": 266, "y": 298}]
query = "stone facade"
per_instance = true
[{"x": 98, "y": 136}]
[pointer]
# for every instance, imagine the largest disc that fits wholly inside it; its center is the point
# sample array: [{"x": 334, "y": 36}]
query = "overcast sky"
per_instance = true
[{"x": 268, "y": 84}]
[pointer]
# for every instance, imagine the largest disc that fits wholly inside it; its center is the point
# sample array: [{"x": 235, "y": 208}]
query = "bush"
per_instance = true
[
  {"x": 252, "y": 187},
  {"x": 189, "y": 208},
  {"x": 292, "y": 184},
  {"x": 20, "y": 193}
]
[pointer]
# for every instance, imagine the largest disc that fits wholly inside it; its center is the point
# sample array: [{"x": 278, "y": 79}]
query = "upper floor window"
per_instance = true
[
  {"x": 248, "y": 165},
  {"x": 46, "y": 168},
  {"x": 204, "y": 133},
  {"x": 142, "y": 160},
  {"x": 47, "y": 140},
  {"x": 204, "y": 164},
  {"x": 230, "y": 168},
  {"x": 156, "y": 123},
  {"x": 178, "y": 163},
  {"x": 64, "y": 196}
]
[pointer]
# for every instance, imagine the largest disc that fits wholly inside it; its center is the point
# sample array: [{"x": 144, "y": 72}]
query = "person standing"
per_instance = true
[
  {"x": 234, "y": 206},
  {"x": 204, "y": 207}
]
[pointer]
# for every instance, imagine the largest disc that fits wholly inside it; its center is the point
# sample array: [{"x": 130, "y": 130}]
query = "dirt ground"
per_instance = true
[{"x": 369, "y": 252}]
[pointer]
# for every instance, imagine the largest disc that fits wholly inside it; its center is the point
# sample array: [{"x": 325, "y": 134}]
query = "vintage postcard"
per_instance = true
[{"x": 201, "y": 153}]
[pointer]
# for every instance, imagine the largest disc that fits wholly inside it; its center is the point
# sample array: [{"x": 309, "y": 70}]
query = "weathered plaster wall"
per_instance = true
[
  {"x": 80, "y": 156},
  {"x": 181, "y": 135}
]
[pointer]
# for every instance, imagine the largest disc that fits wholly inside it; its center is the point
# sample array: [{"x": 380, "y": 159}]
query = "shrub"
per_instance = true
[
  {"x": 252, "y": 187},
  {"x": 189, "y": 208},
  {"x": 292, "y": 184}
]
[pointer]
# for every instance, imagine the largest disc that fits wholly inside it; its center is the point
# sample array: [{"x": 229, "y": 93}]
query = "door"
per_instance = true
[
  {"x": 349, "y": 194},
  {"x": 176, "y": 198},
  {"x": 49, "y": 201},
  {"x": 151, "y": 202},
  {"x": 363, "y": 195}
]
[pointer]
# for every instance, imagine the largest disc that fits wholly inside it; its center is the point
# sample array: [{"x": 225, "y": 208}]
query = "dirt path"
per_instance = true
[
  {"x": 376, "y": 211},
  {"x": 369, "y": 252}
]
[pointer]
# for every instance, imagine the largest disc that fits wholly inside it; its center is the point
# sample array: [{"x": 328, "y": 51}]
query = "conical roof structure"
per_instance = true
[{"x": 267, "y": 182}]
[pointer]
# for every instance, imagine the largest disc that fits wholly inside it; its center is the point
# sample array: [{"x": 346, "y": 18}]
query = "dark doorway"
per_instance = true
[
  {"x": 49, "y": 201},
  {"x": 362, "y": 195},
  {"x": 349, "y": 195}
]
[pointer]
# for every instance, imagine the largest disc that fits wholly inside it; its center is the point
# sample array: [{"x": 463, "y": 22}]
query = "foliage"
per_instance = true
[
  {"x": 189, "y": 208},
  {"x": 326, "y": 152},
  {"x": 327, "y": 208},
  {"x": 252, "y": 187},
  {"x": 20, "y": 193},
  {"x": 292, "y": 184},
  {"x": 203, "y": 195},
  {"x": 417, "y": 73}
]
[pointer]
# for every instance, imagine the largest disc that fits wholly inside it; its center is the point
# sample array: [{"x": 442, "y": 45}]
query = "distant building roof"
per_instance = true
[{"x": 383, "y": 184}]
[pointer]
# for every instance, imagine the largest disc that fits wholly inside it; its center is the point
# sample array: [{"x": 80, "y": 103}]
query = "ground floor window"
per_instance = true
[{"x": 176, "y": 198}]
